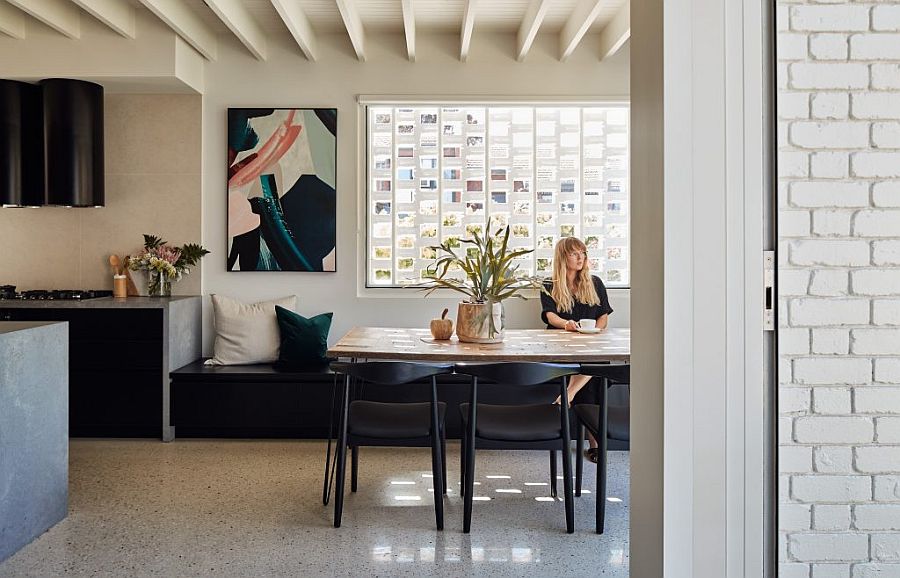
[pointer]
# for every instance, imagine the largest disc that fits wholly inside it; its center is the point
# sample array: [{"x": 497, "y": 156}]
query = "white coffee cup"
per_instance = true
[{"x": 587, "y": 323}]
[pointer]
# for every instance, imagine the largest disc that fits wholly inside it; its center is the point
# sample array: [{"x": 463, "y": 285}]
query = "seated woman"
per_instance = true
[{"x": 572, "y": 294}]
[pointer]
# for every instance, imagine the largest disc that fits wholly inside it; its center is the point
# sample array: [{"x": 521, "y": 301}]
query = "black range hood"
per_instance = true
[
  {"x": 21, "y": 145},
  {"x": 51, "y": 143},
  {"x": 73, "y": 142}
]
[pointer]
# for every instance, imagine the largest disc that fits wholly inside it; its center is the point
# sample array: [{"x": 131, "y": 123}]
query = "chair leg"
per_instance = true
[
  {"x": 601, "y": 458},
  {"x": 354, "y": 467},
  {"x": 579, "y": 463},
  {"x": 553, "y": 474},
  {"x": 342, "y": 459},
  {"x": 567, "y": 463},
  {"x": 438, "y": 484},
  {"x": 444, "y": 478},
  {"x": 462, "y": 463},
  {"x": 470, "y": 459},
  {"x": 437, "y": 467},
  {"x": 470, "y": 487}
]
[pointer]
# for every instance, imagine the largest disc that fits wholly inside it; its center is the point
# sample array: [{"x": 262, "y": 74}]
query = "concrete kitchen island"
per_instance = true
[
  {"x": 34, "y": 430},
  {"x": 122, "y": 351}
]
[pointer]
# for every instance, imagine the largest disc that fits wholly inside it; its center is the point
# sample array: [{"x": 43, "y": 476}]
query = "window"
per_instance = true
[{"x": 440, "y": 173}]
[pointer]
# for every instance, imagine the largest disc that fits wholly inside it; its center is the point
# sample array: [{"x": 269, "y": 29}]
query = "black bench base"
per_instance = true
[{"x": 251, "y": 401}]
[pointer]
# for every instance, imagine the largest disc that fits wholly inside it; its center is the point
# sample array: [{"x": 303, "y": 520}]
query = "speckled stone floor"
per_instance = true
[{"x": 253, "y": 508}]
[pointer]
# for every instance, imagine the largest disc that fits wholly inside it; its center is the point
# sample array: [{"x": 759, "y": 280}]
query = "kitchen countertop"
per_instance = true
[
  {"x": 99, "y": 303},
  {"x": 12, "y": 326}
]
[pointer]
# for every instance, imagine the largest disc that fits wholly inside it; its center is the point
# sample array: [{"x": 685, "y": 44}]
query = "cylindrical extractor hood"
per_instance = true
[
  {"x": 21, "y": 145},
  {"x": 73, "y": 142}
]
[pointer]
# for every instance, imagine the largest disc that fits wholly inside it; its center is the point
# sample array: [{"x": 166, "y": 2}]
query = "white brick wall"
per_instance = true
[{"x": 839, "y": 284}]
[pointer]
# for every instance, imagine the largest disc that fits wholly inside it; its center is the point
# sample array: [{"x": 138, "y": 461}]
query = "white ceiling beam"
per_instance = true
[
  {"x": 186, "y": 23},
  {"x": 616, "y": 32},
  {"x": 60, "y": 15},
  {"x": 354, "y": 26},
  {"x": 409, "y": 27},
  {"x": 577, "y": 26},
  {"x": 242, "y": 24},
  {"x": 468, "y": 27},
  {"x": 116, "y": 14},
  {"x": 531, "y": 23},
  {"x": 298, "y": 25},
  {"x": 12, "y": 21}
]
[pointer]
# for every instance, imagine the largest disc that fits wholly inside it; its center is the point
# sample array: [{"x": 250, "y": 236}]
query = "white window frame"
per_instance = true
[{"x": 363, "y": 101}]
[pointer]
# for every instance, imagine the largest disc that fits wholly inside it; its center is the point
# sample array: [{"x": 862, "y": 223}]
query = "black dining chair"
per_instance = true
[
  {"x": 392, "y": 424},
  {"x": 542, "y": 426},
  {"x": 597, "y": 419}
]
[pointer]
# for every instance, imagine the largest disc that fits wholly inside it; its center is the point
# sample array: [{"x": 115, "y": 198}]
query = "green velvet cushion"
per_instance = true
[{"x": 303, "y": 340}]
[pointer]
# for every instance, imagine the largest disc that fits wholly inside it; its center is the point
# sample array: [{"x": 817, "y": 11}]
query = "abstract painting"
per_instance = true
[{"x": 281, "y": 189}]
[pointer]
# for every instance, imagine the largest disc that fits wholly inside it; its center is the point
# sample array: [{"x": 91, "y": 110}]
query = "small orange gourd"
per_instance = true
[{"x": 442, "y": 328}]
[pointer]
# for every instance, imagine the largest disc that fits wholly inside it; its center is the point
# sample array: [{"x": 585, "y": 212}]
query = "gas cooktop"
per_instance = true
[{"x": 9, "y": 292}]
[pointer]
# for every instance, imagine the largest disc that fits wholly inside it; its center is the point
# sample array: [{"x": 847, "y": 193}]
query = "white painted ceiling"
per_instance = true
[
  {"x": 252, "y": 21},
  {"x": 431, "y": 15}
]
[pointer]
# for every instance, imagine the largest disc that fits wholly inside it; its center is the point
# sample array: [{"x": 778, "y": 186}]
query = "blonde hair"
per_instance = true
[{"x": 584, "y": 285}]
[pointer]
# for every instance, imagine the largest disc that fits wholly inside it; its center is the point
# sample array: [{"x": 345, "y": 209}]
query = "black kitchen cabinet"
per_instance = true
[{"x": 120, "y": 356}]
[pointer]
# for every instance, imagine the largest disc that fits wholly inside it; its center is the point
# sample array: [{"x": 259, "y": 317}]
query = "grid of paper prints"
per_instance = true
[{"x": 442, "y": 173}]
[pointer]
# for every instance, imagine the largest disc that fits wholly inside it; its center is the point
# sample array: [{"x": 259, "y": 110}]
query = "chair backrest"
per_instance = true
[
  {"x": 613, "y": 371},
  {"x": 391, "y": 372},
  {"x": 517, "y": 372}
]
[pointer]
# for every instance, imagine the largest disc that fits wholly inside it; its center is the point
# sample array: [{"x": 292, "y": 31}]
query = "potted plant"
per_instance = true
[
  {"x": 490, "y": 277},
  {"x": 164, "y": 263}
]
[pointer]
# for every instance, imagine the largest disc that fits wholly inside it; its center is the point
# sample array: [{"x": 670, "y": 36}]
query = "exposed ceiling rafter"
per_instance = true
[
  {"x": 577, "y": 26},
  {"x": 186, "y": 23},
  {"x": 616, "y": 33},
  {"x": 116, "y": 14},
  {"x": 298, "y": 25},
  {"x": 409, "y": 28},
  {"x": 468, "y": 26},
  {"x": 238, "y": 19},
  {"x": 353, "y": 23},
  {"x": 531, "y": 23},
  {"x": 60, "y": 15},
  {"x": 12, "y": 21}
]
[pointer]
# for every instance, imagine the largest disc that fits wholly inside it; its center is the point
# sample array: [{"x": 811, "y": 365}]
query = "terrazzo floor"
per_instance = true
[{"x": 253, "y": 508}]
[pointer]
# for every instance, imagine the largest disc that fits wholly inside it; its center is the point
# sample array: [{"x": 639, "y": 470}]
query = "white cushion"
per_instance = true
[{"x": 246, "y": 332}]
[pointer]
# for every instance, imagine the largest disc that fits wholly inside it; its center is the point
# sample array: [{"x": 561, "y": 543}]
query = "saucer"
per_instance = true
[{"x": 591, "y": 330}]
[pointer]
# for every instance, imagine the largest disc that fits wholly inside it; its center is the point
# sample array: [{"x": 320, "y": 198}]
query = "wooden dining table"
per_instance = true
[
  {"x": 544, "y": 345},
  {"x": 535, "y": 345}
]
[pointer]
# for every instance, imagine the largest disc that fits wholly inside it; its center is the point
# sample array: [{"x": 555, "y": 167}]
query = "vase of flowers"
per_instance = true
[
  {"x": 489, "y": 276},
  {"x": 164, "y": 263}
]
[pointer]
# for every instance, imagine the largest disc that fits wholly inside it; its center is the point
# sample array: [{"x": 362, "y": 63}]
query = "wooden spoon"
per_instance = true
[{"x": 115, "y": 262}]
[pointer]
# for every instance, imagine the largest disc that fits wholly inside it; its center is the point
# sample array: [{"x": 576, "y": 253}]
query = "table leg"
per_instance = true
[
  {"x": 601, "y": 454},
  {"x": 331, "y": 459}
]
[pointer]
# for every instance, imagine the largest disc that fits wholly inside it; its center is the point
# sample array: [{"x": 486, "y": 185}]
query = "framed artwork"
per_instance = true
[{"x": 281, "y": 189}]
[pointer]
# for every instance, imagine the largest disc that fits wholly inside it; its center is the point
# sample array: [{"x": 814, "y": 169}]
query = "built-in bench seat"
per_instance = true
[
  {"x": 263, "y": 401},
  {"x": 257, "y": 401}
]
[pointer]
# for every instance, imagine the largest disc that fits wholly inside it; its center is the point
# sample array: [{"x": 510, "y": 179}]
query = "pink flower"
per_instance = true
[{"x": 167, "y": 253}]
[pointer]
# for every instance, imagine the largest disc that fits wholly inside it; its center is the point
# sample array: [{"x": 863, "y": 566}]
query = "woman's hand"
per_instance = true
[{"x": 571, "y": 325}]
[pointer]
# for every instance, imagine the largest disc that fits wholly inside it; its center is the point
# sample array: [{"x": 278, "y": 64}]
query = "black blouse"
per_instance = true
[{"x": 579, "y": 310}]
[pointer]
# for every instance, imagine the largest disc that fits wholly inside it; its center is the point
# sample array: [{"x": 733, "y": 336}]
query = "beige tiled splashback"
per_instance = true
[{"x": 152, "y": 186}]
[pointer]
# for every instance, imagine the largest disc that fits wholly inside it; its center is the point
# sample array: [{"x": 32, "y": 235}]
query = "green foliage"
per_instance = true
[
  {"x": 488, "y": 266},
  {"x": 189, "y": 255},
  {"x": 152, "y": 241}
]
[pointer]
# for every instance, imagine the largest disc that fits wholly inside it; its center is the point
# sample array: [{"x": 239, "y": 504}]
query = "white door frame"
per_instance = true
[{"x": 699, "y": 190}]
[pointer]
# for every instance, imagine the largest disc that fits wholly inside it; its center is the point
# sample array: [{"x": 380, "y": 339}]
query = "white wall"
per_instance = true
[
  {"x": 235, "y": 79},
  {"x": 839, "y": 279}
]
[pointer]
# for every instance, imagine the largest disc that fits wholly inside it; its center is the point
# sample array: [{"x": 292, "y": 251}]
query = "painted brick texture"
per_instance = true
[{"x": 839, "y": 287}]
